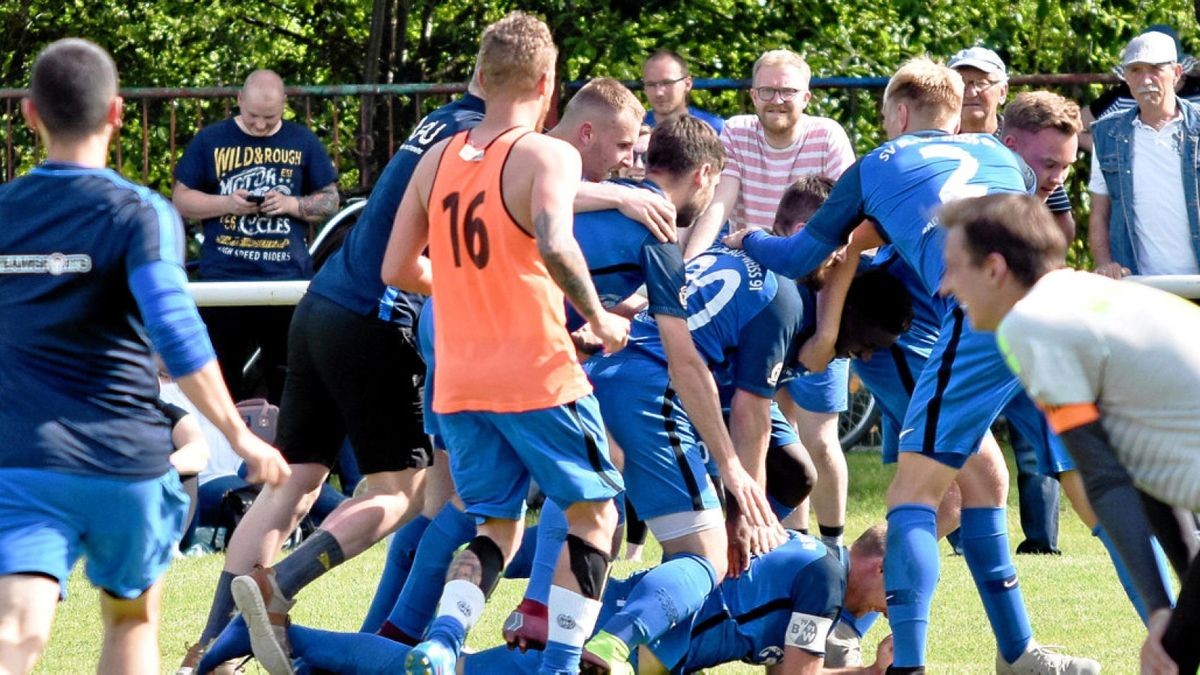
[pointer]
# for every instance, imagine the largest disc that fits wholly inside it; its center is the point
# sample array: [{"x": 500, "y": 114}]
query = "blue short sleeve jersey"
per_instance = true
[
  {"x": 351, "y": 276},
  {"x": 622, "y": 255},
  {"x": 743, "y": 318},
  {"x": 713, "y": 120},
  {"x": 789, "y": 597},
  {"x": 900, "y": 186},
  {"x": 221, "y": 159},
  {"x": 78, "y": 384}
]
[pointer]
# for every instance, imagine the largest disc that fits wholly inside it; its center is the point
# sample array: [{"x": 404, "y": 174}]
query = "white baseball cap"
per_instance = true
[
  {"x": 1154, "y": 48},
  {"x": 981, "y": 58}
]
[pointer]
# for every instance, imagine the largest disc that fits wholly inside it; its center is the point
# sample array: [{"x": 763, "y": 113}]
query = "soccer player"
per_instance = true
[
  {"x": 747, "y": 323},
  {"x": 774, "y": 615},
  {"x": 90, "y": 266},
  {"x": 1115, "y": 369},
  {"x": 965, "y": 384},
  {"x": 494, "y": 206}
]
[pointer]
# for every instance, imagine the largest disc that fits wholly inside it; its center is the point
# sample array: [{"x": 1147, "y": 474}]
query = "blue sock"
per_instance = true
[
  {"x": 985, "y": 548},
  {"x": 910, "y": 574},
  {"x": 401, "y": 551},
  {"x": 502, "y": 660},
  {"x": 522, "y": 563},
  {"x": 551, "y": 534},
  {"x": 360, "y": 653},
  {"x": 449, "y": 631},
  {"x": 232, "y": 643},
  {"x": 418, "y": 601},
  {"x": 1123, "y": 571},
  {"x": 860, "y": 624},
  {"x": 667, "y": 594}
]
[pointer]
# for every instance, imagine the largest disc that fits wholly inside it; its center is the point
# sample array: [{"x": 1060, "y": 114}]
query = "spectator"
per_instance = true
[
  {"x": 257, "y": 183},
  {"x": 985, "y": 86},
  {"x": 765, "y": 153},
  {"x": 1118, "y": 98},
  {"x": 667, "y": 83},
  {"x": 1146, "y": 221}
]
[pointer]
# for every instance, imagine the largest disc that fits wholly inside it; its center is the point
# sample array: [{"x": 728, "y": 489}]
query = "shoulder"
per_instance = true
[
  {"x": 823, "y": 125},
  {"x": 542, "y": 150}
]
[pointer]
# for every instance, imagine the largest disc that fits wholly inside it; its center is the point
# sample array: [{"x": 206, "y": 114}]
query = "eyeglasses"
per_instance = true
[
  {"x": 979, "y": 86},
  {"x": 663, "y": 83},
  {"x": 769, "y": 93}
]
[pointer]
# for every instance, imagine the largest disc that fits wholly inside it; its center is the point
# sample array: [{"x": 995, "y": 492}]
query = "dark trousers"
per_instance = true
[
  {"x": 1038, "y": 494},
  {"x": 236, "y": 332},
  {"x": 1176, "y": 530}
]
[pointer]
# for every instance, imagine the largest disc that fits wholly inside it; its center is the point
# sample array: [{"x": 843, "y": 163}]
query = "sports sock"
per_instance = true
[
  {"x": 985, "y": 548},
  {"x": 318, "y": 554},
  {"x": 831, "y": 535},
  {"x": 860, "y": 624},
  {"x": 552, "y": 532},
  {"x": 575, "y": 617},
  {"x": 522, "y": 563},
  {"x": 415, "y": 607},
  {"x": 360, "y": 653},
  {"x": 401, "y": 551},
  {"x": 222, "y": 608},
  {"x": 459, "y": 608},
  {"x": 910, "y": 574},
  {"x": 1123, "y": 572},
  {"x": 664, "y": 596},
  {"x": 233, "y": 642}
]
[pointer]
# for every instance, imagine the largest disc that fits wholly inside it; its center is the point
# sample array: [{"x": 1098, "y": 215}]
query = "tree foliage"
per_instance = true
[{"x": 173, "y": 43}]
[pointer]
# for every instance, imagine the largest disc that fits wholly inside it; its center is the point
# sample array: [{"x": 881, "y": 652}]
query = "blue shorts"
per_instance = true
[
  {"x": 958, "y": 395},
  {"x": 826, "y": 392},
  {"x": 1030, "y": 423},
  {"x": 891, "y": 377},
  {"x": 127, "y": 529},
  {"x": 664, "y": 459},
  {"x": 493, "y": 456}
]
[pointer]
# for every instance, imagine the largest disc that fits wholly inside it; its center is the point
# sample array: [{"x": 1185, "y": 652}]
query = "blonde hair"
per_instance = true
[
  {"x": 873, "y": 542},
  {"x": 514, "y": 53},
  {"x": 930, "y": 89},
  {"x": 607, "y": 96},
  {"x": 1033, "y": 111},
  {"x": 783, "y": 58}
]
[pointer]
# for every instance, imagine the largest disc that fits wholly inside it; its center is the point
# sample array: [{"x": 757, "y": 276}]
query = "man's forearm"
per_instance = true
[
  {"x": 197, "y": 205},
  {"x": 206, "y": 389},
  {"x": 750, "y": 429},
  {"x": 1098, "y": 229},
  {"x": 566, "y": 264},
  {"x": 694, "y": 383},
  {"x": 320, "y": 205}
]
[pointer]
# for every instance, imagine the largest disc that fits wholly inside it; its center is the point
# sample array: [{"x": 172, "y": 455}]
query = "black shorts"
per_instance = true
[{"x": 352, "y": 375}]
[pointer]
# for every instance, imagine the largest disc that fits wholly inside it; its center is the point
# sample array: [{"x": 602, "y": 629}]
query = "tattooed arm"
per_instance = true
[{"x": 314, "y": 208}]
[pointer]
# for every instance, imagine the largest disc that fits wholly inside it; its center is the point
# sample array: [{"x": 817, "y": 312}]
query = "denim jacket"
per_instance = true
[{"x": 1112, "y": 137}]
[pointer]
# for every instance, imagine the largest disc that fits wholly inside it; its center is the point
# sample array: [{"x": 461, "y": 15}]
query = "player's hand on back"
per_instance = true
[
  {"x": 264, "y": 464},
  {"x": 611, "y": 329},
  {"x": 765, "y": 531},
  {"x": 651, "y": 209},
  {"x": 885, "y": 653},
  {"x": 734, "y": 239}
]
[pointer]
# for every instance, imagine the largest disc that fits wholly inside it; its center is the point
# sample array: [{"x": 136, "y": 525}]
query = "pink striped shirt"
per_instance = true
[{"x": 766, "y": 172}]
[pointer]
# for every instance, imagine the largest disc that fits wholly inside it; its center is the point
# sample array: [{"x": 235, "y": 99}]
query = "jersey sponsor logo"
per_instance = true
[
  {"x": 54, "y": 264},
  {"x": 806, "y": 631}
]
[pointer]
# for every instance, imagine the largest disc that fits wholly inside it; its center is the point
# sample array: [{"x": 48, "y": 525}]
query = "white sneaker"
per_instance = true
[
  {"x": 843, "y": 648},
  {"x": 1042, "y": 660}
]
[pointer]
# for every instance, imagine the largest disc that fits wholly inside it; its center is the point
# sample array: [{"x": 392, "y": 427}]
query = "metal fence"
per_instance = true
[{"x": 160, "y": 120}]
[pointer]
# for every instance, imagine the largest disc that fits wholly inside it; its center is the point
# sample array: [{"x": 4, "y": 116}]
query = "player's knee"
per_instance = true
[
  {"x": 589, "y": 565},
  {"x": 589, "y": 517},
  {"x": 491, "y": 562},
  {"x": 791, "y": 474}
]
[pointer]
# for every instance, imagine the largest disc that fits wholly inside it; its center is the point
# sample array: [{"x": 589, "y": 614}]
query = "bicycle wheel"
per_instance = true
[{"x": 860, "y": 417}]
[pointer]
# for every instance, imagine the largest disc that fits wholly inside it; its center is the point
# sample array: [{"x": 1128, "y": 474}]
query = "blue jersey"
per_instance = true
[
  {"x": 351, "y": 276},
  {"x": 900, "y": 186},
  {"x": 744, "y": 320},
  {"x": 713, "y": 120},
  {"x": 221, "y": 159},
  {"x": 790, "y": 596},
  {"x": 622, "y": 255},
  {"x": 78, "y": 384}
]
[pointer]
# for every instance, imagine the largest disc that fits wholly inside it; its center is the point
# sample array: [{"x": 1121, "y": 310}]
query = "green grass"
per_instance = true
[{"x": 1073, "y": 600}]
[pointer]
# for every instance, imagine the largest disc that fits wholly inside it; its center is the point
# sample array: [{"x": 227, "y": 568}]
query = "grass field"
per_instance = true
[{"x": 1073, "y": 600}]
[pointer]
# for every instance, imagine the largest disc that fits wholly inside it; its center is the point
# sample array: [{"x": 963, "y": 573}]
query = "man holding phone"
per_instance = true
[{"x": 257, "y": 184}]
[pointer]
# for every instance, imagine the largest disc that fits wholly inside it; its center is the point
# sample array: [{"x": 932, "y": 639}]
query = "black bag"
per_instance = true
[{"x": 234, "y": 505}]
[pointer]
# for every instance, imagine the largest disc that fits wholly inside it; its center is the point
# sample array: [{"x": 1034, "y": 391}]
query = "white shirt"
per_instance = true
[{"x": 1164, "y": 244}]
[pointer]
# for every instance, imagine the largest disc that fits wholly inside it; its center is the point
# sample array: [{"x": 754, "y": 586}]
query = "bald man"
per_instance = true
[{"x": 256, "y": 183}]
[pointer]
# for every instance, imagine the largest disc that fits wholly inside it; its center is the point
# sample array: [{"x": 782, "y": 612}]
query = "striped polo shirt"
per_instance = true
[{"x": 765, "y": 172}]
